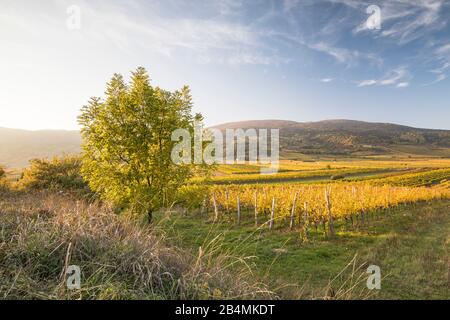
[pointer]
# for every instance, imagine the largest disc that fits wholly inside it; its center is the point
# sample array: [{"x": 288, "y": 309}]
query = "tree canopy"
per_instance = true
[{"x": 127, "y": 142}]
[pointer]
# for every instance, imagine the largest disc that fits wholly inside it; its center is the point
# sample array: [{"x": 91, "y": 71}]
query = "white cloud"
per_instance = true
[
  {"x": 326, "y": 80},
  {"x": 208, "y": 40},
  {"x": 343, "y": 55},
  {"x": 444, "y": 49},
  {"x": 441, "y": 69},
  {"x": 365, "y": 83},
  {"x": 440, "y": 73},
  {"x": 397, "y": 77},
  {"x": 408, "y": 20},
  {"x": 441, "y": 77}
]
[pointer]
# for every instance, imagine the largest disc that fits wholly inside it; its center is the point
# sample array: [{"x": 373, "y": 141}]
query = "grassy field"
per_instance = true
[
  {"x": 410, "y": 244},
  {"x": 389, "y": 213},
  {"x": 41, "y": 234},
  {"x": 410, "y": 241}
]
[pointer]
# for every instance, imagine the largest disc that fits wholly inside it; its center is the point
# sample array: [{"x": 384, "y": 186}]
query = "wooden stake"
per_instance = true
[
  {"x": 324, "y": 227},
  {"x": 238, "y": 211},
  {"x": 256, "y": 208},
  {"x": 202, "y": 210},
  {"x": 293, "y": 211},
  {"x": 272, "y": 214},
  {"x": 330, "y": 216},
  {"x": 216, "y": 211},
  {"x": 227, "y": 201},
  {"x": 305, "y": 222}
]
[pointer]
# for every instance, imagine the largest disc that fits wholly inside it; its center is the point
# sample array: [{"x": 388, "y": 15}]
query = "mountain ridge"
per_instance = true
[
  {"x": 351, "y": 137},
  {"x": 245, "y": 123},
  {"x": 326, "y": 137}
]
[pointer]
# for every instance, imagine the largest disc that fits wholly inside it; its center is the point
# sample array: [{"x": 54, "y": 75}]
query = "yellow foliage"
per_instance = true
[{"x": 346, "y": 199}]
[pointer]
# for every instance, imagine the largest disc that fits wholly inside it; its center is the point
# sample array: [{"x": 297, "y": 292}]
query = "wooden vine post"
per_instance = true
[
  {"x": 216, "y": 211},
  {"x": 256, "y": 208},
  {"x": 306, "y": 221},
  {"x": 330, "y": 216},
  {"x": 293, "y": 211},
  {"x": 227, "y": 202},
  {"x": 238, "y": 211},
  {"x": 272, "y": 214},
  {"x": 203, "y": 208}
]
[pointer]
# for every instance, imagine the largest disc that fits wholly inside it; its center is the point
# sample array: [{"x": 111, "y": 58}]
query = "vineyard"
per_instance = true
[
  {"x": 427, "y": 178},
  {"x": 274, "y": 202},
  {"x": 313, "y": 204},
  {"x": 292, "y": 175}
]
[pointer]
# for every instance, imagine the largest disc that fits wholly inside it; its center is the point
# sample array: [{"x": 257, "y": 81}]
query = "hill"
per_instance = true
[
  {"x": 329, "y": 137},
  {"x": 350, "y": 137},
  {"x": 17, "y": 147}
]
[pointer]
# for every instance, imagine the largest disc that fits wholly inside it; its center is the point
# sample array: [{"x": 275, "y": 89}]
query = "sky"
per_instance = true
[{"x": 378, "y": 61}]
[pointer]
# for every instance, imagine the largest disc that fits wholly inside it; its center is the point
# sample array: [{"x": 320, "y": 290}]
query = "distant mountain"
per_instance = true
[
  {"x": 17, "y": 147},
  {"x": 329, "y": 137},
  {"x": 350, "y": 137}
]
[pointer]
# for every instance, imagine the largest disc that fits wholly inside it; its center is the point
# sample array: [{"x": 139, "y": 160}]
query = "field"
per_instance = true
[
  {"x": 410, "y": 244},
  {"x": 307, "y": 232},
  {"x": 393, "y": 213}
]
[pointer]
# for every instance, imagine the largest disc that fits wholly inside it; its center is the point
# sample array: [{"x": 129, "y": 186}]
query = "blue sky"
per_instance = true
[{"x": 296, "y": 60}]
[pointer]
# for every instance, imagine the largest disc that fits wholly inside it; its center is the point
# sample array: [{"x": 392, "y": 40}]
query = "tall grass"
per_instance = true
[{"x": 41, "y": 234}]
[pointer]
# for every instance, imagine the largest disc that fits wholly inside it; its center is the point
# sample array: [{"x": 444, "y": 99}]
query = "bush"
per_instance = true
[
  {"x": 58, "y": 174},
  {"x": 338, "y": 177},
  {"x": 4, "y": 185},
  {"x": 193, "y": 197}
]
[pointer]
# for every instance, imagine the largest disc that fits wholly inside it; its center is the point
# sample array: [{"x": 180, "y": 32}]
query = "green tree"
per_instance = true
[{"x": 127, "y": 142}]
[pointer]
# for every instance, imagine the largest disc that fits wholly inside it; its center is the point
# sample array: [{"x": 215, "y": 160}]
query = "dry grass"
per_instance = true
[{"x": 41, "y": 234}]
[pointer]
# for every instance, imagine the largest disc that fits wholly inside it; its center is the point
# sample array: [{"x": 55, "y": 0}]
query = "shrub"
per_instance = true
[
  {"x": 2, "y": 173},
  {"x": 193, "y": 197},
  {"x": 58, "y": 174},
  {"x": 3, "y": 182}
]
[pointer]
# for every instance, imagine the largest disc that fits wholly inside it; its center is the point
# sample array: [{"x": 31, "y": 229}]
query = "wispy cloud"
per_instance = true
[
  {"x": 208, "y": 40},
  {"x": 343, "y": 55},
  {"x": 444, "y": 49},
  {"x": 398, "y": 77},
  {"x": 442, "y": 56},
  {"x": 408, "y": 20}
]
